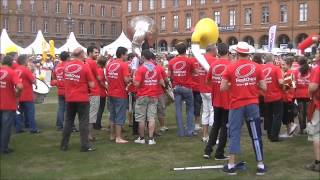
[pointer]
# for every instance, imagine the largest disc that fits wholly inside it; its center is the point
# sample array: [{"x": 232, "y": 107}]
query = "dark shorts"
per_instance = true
[
  {"x": 118, "y": 108},
  {"x": 288, "y": 115},
  {"x": 197, "y": 103}
]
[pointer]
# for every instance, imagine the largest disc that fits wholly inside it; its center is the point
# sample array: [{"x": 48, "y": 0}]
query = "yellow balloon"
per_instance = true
[
  {"x": 206, "y": 32},
  {"x": 11, "y": 48}
]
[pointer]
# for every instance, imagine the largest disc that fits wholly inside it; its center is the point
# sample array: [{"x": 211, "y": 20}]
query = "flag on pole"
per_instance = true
[{"x": 272, "y": 36}]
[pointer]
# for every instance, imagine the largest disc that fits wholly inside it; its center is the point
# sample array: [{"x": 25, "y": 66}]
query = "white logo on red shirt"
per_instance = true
[
  {"x": 240, "y": 74},
  {"x": 73, "y": 68},
  {"x": 149, "y": 78},
  {"x": 266, "y": 73},
  {"x": 243, "y": 77},
  {"x": 3, "y": 74},
  {"x": 303, "y": 80},
  {"x": 59, "y": 71},
  {"x": 217, "y": 72},
  {"x": 180, "y": 65},
  {"x": 112, "y": 70}
]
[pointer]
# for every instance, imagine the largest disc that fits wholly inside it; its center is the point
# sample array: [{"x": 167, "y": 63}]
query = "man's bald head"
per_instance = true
[{"x": 78, "y": 53}]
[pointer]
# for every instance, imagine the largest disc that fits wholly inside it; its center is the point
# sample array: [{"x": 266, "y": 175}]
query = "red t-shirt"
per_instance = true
[
  {"x": 315, "y": 78},
  {"x": 8, "y": 81},
  {"x": 131, "y": 87},
  {"x": 217, "y": 69},
  {"x": 181, "y": 69},
  {"x": 149, "y": 80},
  {"x": 195, "y": 75},
  {"x": 295, "y": 66},
  {"x": 116, "y": 71},
  {"x": 95, "y": 91},
  {"x": 102, "y": 89},
  {"x": 163, "y": 75},
  {"x": 288, "y": 95},
  {"x": 27, "y": 80},
  {"x": 76, "y": 78},
  {"x": 244, "y": 76},
  {"x": 302, "y": 83},
  {"x": 272, "y": 76},
  {"x": 58, "y": 78}
]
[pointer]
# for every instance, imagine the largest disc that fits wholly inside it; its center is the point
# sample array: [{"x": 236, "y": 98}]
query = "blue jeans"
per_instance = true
[
  {"x": 249, "y": 113},
  {"x": 61, "y": 111},
  {"x": 6, "y": 121},
  {"x": 182, "y": 93},
  {"x": 27, "y": 113},
  {"x": 118, "y": 108}
]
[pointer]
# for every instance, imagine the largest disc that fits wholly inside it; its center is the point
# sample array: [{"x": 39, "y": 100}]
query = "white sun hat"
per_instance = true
[{"x": 243, "y": 47}]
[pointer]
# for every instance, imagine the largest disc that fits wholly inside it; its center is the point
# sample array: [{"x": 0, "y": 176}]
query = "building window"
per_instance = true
[
  {"x": 188, "y": 21},
  {"x": 163, "y": 23},
  {"x": 81, "y": 9},
  {"x": 265, "y": 14},
  {"x": 70, "y": 24},
  {"x": 81, "y": 28},
  {"x": 32, "y": 5},
  {"x": 113, "y": 29},
  {"x": 45, "y": 6},
  {"x": 19, "y": 4},
  {"x": 216, "y": 1},
  {"x": 232, "y": 17},
  {"x": 33, "y": 26},
  {"x": 202, "y": 2},
  {"x": 45, "y": 26},
  {"x": 303, "y": 11},
  {"x": 5, "y": 4},
  {"x": 92, "y": 11},
  {"x": 113, "y": 12},
  {"x": 175, "y": 23},
  {"x": 163, "y": 4},
  {"x": 69, "y": 8},
  {"x": 189, "y": 2},
  {"x": 103, "y": 29},
  {"x": 140, "y": 5},
  {"x": 57, "y": 6},
  {"x": 151, "y": 4},
  {"x": 217, "y": 17},
  {"x": 175, "y": 3},
  {"x": 103, "y": 10},
  {"x": 20, "y": 24},
  {"x": 283, "y": 13},
  {"x": 92, "y": 28},
  {"x": 129, "y": 6},
  {"x": 58, "y": 26},
  {"x": 247, "y": 16},
  {"x": 202, "y": 15},
  {"x": 5, "y": 23}
]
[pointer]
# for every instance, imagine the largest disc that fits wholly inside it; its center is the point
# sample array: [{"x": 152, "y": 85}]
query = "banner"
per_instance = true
[{"x": 272, "y": 37}]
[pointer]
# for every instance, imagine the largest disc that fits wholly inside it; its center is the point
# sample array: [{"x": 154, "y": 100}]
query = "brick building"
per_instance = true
[
  {"x": 95, "y": 22},
  {"x": 238, "y": 20}
]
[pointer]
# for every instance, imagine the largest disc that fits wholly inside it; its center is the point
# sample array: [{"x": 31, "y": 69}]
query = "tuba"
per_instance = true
[{"x": 205, "y": 33}]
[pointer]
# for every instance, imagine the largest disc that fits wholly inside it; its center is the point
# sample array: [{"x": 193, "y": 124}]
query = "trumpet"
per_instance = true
[{"x": 205, "y": 33}]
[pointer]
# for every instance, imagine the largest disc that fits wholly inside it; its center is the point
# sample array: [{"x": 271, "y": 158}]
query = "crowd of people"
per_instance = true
[{"x": 263, "y": 90}]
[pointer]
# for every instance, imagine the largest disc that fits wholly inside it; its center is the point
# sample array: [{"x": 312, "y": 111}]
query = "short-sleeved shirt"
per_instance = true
[
  {"x": 58, "y": 81},
  {"x": 95, "y": 91},
  {"x": 116, "y": 71},
  {"x": 302, "y": 84},
  {"x": 272, "y": 74},
  {"x": 244, "y": 76},
  {"x": 8, "y": 80},
  {"x": 102, "y": 89},
  {"x": 217, "y": 69},
  {"x": 163, "y": 75},
  {"x": 315, "y": 78},
  {"x": 181, "y": 69},
  {"x": 76, "y": 76},
  {"x": 27, "y": 79},
  {"x": 148, "y": 79}
]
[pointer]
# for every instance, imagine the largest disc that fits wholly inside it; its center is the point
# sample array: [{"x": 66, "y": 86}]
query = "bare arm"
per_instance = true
[
  {"x": 18, "y": 89},
  {"x": 312, "y": 88},
  {"x": 162, "y": 83},
  {"x": 224, "y": 85},
  {"x": 136, "y": 83},
  {"x": 90, "y": 84},
  {"x": 263, "y": 85}
]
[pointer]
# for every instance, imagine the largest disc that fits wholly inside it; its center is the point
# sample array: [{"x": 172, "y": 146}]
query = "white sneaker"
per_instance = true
[
  {"x": 151, "y": 142},
  {"x": 197, "y": 127},
  {"x": 205, "y": 139},
  {"x": 217, "y": 142},
  {"x": 164, "y": 128},
  {"x": 140, "y": 141},
  {"x": 293, "y": 128}
]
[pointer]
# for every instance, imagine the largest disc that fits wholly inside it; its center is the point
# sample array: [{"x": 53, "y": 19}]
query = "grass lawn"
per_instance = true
[{"x": 39, "y": 157}]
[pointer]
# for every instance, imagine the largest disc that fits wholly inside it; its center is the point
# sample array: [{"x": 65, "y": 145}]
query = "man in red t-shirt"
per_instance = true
[
  {"x": 77, "y": 80},
  {"x": 197, "y": 100},
  {"x": 180, "y": 70},
  {"x": 220, "y": 102},
  {"x": 94, "y": 93},
  {"x": 244, "y": 78},
  {"x": 26, "y": 100},
  {"x": 273, "y": 97},
  {"x": 314, "y": 125},
  {"x": 118, "y": 77},
  {"x": 10, "y": 89},
  {"x": 58, "y": 81},
  {"x": 148, "y": 80}
]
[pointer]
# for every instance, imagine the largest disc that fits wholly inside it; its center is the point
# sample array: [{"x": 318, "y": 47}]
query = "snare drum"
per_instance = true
[{"x": 40, "y": 91}]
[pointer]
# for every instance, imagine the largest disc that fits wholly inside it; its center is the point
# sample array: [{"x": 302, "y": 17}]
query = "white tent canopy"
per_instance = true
[
  {"x": 6, "y": 42},
  {"x": 122, "y": 40},
  {"x": 71, "y": 44},
  {"x": 38, "y": 45}
]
